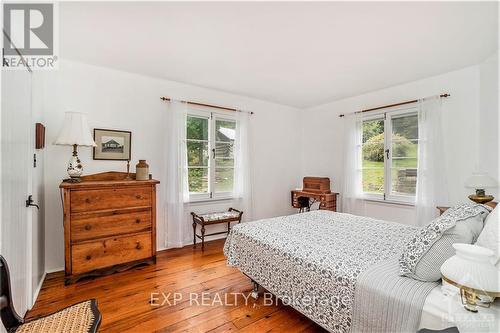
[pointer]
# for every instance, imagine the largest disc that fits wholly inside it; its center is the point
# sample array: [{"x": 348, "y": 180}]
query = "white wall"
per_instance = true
[
  {"x": 120, "y": 100},
  {"x": 489, "y": 121},
  {"x": 322, "y": 132}
]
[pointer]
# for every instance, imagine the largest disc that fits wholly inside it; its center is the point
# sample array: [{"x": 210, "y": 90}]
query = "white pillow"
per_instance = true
[{"x": 490, "y": 236}]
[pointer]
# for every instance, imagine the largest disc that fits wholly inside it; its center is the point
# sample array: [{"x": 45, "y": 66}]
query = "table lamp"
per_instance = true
[
  {"x": 471, "y": 270},
  {"x": 75, "y": 132},
  {"x": 479, "y": 182}
]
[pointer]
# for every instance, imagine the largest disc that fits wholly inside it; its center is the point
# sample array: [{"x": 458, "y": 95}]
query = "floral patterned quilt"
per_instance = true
[{"x": 312, "y": 260}]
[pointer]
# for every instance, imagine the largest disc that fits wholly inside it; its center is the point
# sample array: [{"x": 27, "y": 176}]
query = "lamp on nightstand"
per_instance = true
[
  {"x": 75, "y": 132},
  {"x": 471, "y": 270},
  {"x": 480, "y": 182}
]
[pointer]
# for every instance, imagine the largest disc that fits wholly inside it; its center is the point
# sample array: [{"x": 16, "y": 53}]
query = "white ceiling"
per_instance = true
[{"x": 298, "y": 54}]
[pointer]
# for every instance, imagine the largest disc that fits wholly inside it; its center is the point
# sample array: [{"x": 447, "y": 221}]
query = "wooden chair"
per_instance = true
[{"x": 83, "y": 317}]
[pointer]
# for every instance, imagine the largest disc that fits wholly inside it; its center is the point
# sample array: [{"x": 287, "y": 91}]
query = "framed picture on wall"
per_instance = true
[{"x": 112, "y": 144}]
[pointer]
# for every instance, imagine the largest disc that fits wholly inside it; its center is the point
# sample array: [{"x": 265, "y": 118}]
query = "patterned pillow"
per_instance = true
[{"x": 424, "y": 254}]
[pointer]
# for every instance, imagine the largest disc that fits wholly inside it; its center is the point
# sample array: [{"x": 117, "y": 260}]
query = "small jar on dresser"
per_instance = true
[{"x": 109, "y": 224}]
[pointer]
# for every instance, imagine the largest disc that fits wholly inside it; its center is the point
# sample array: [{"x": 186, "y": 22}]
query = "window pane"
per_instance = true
[
  {"x": 224, "y": 179},
  {"x": 402, "y": 163},
  {"x": 404, "y": 148},
  {"x": 198, "y": 180},
  {"x": 225, "y": 130},
  {"x": 373, "y": 156},
  {"x": 373, "y": 152},
  {"x": 373, "y": 176},
  {"x": 224, "y": 162},
  {"x": 197, "y": 152},
  {"x": 373, "y": 129},
  {"x": 224, "y": 150},
  {"x": 404, "y": 181},
  {"x": 405, "y": 127},
  {"x": 197, "y": 128}
]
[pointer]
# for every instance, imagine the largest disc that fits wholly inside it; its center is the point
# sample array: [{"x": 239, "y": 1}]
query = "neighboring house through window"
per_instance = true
[
  {"x": 389, "y": 155},
  {"x": 210, "y": 140}
]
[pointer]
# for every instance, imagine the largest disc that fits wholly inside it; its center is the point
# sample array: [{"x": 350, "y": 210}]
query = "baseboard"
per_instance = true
[
  {"x": 54, "y": 270},
  {"x": 38, "y": 288},
  {"x": 190, "y": 242}
]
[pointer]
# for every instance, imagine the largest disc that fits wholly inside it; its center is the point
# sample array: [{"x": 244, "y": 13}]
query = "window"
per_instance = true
[
  {"x": 210, "y": 151},
  {"x": 389, "y": 162}
]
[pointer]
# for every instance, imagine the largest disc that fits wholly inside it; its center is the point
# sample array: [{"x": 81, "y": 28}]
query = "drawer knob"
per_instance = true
[
  {"x": 138, "y": 246},
  {"x": 138, "y": 221},
  {"x": 88, "y": 257},
  {"x": 88, "y": 227},
  {"x": 87, "y": 200},
  {"x": 137, "y": 196}
]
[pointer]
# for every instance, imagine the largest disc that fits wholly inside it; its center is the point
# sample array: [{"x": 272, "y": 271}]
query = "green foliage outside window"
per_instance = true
[
  {"x": 403, "y": 148},
  {"x": 373, "y": 148}
]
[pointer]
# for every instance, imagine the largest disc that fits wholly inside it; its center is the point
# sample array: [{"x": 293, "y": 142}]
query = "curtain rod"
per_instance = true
[
  {"x": 391, "y": 105},
  {"x": 207, "y": 105}
]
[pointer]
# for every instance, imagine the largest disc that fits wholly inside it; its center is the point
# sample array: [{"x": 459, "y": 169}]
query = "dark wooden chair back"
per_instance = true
[{"x": 10, "y": 318}]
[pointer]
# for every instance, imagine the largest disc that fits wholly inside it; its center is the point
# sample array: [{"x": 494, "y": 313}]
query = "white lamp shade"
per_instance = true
[
  {"x": 480, "y": 181},
  {"x": 471, "y": 267},
  {"x": 75, "y": 131}
]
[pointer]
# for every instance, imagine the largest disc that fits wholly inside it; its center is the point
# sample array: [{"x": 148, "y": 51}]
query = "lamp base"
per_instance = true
[
  {"x": 469, "y": 299},
  {"x": 481, "y": 199},
  {"x": 75, "y": 167}
]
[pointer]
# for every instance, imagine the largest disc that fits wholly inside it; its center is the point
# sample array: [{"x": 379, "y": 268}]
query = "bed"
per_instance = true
[{"x": 340, "y": 270}]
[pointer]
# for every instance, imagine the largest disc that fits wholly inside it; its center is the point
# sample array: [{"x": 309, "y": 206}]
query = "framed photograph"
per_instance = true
[{"x": 112, "y": 144}]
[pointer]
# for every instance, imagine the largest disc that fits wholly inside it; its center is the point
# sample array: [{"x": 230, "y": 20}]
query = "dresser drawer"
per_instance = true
[
  {"x": 111, "y": 251},
  {"x": 111, "y": 198},
  {"x": 107, "y": 224}
]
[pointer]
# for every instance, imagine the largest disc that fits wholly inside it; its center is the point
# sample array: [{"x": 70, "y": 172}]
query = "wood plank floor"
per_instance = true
[{"x": 125, "y": 299}]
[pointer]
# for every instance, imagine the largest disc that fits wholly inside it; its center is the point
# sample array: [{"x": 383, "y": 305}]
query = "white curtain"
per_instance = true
[
  {"x": 352, "y": 201},
  {"x": 243, "y": 198},
  {"x": 431, "y": 174},
  {"x": 175, "y": 182}
]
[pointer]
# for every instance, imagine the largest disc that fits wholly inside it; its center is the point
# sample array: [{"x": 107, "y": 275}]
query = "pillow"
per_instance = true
[
  {"x": 490, "y": 236},
  {"x": 429, "y": 248}
]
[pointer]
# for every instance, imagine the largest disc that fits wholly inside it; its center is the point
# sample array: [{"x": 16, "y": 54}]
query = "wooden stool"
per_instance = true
[{"x": 232, "y": 215}]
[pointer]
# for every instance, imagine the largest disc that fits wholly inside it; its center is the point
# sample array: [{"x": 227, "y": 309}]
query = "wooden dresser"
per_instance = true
[{"x": 109, "y": 224}]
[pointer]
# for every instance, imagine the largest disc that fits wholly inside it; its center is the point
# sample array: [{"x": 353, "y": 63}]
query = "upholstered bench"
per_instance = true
[{"x": 232, "y": 215}]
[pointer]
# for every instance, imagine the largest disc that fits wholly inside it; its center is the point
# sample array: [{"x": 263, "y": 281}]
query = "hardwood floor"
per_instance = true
[{"x": 195, "y": 285}]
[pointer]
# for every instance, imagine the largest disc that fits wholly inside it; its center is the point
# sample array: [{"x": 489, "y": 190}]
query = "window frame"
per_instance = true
[
  {"x": 213, "y": 117},
  {"x": 387, "y": 117}
]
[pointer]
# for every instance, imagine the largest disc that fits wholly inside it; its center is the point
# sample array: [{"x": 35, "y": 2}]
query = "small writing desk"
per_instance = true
[{"x": 317, "y": 189}]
